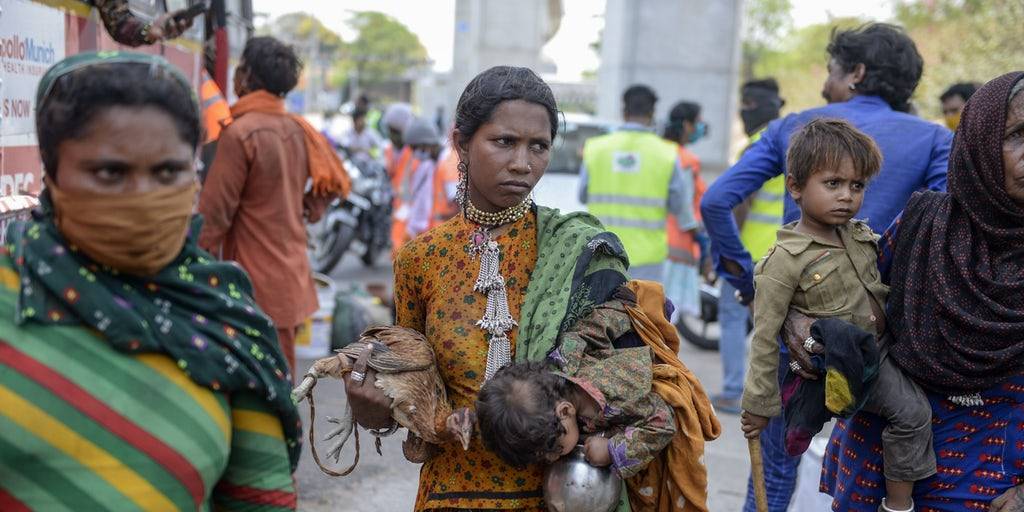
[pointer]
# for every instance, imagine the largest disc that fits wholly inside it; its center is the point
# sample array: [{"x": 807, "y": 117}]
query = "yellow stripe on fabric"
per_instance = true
[
  {"x": 838, "y": 396},
  {"x": 258, "y": 422},
  {"x": 204, "y": 397},
  {"x": 99, "y": 461},
  {"x": 10, "y": 279}
]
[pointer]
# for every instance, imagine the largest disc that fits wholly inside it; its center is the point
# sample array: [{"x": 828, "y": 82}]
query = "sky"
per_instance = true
[{"x": 434, "y": 22}]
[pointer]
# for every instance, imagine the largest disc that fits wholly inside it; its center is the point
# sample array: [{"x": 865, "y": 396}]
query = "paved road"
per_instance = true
[{"x": 388, "y": 483}]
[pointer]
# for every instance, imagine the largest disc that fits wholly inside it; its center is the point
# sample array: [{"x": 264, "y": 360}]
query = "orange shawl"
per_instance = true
[
  {"x": 677, "y": 478},
  {"x": 326, "y": 169}
]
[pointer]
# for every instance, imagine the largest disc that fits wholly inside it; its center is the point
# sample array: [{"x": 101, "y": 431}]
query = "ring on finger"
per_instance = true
[
  {"x": 809, "y": 344},
  {"x": 795, "y": 366},
  {"x": 358, "y": 377}
]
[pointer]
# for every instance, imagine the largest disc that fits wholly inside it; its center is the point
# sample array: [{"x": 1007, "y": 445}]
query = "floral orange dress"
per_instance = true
[{"x": 434, "y": 278}]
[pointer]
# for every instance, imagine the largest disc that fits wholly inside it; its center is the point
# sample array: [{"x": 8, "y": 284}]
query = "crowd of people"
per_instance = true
[{"x": 149, "y": 317}]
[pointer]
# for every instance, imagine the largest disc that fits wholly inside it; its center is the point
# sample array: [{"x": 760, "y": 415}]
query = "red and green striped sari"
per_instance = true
[{"x": 84, "y": 426}]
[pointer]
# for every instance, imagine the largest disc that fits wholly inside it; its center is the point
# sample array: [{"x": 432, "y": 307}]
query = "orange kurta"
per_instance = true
[
  {"x": 252, "y": 203},
  {"x": 434, "y": 278}
]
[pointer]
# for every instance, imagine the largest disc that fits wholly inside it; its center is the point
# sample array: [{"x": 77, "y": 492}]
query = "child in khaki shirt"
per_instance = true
[{"x": 824, "y": 265}]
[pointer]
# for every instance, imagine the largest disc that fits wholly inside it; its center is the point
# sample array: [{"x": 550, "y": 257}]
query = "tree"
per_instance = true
[
  {"x": 384, "y": 50},
  {"x": 766, "y": 21},
  {"x": 962, "y": 41}
]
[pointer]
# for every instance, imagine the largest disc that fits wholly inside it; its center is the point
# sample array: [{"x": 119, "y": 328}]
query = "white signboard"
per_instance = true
[{"x": 31, "y": 40}]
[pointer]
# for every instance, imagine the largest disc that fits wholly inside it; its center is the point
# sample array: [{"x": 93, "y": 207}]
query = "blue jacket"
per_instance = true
[{"x": 915, "y": 154}]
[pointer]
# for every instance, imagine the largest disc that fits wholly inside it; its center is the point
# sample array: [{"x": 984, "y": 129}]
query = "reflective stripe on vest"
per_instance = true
[
  {"x": 764, "y": 218},
  {"x": 215, "y": 109},
  {"x": 629, "y": 172}
]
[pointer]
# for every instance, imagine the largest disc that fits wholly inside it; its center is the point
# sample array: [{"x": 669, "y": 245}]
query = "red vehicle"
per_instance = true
[{"x": 35, "y": 34}]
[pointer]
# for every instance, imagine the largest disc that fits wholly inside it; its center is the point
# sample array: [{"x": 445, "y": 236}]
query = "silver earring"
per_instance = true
[{"x": 853, "y": 87}]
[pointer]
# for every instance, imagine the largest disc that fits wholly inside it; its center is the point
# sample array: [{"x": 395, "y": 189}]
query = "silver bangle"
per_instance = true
[
  {"x": 385, "y": 432},
  {"x": 809, "y": 344},
  {"x": 358, "y": 377},
  {"x": 795, "y": 366}
]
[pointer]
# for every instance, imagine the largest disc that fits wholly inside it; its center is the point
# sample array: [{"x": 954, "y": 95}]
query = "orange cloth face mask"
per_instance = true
[{"x": 137, "y": 233}]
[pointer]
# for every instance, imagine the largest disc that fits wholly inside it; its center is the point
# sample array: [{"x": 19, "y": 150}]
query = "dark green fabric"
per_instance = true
[
  {"x": 197, "y": 310},
  {"x": 579, "y": 265},
  {"x": 86, "y": 59}
]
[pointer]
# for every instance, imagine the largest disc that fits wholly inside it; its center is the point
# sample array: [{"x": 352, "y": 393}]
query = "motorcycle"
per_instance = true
[{"x": 360, "y": 222}]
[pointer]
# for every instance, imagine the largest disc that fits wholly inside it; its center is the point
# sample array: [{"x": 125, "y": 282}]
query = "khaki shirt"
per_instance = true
[{"x": 817, "y": 278}]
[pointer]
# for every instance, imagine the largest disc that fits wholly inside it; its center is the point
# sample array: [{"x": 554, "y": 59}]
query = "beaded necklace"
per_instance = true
[{"x": 497, "y": 319}]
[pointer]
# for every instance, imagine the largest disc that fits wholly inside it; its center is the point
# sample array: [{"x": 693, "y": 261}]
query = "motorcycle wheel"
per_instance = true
[
  {"x": 703, "y": 331},
  {"x": 330, "y": 246},
  {"x": 372, "y": 254}
]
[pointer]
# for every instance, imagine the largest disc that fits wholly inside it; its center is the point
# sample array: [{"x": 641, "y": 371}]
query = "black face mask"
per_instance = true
[{"x": 767, "y": 106}]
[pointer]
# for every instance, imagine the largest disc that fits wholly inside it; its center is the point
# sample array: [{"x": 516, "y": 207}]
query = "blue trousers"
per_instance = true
[
  {"x": 779, "y": 468},
  {"x": 732, "y": 346}
]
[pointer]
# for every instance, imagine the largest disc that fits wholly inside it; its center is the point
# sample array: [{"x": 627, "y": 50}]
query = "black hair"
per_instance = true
[
  {"x": 639, "y": 100},
  {"x": 765, "y": 84},
  {"x": 75, "y": 99},
  {"x": 496, "y": 85},
  {"x": 892, "y": 65},
  {"x": 681, "y": 112},
  {"x": 516, "y": 412},
  {"x": 271, "y": 64},
  {"x": 358, "y": 113},
  {"x": 963, "y": 89}
]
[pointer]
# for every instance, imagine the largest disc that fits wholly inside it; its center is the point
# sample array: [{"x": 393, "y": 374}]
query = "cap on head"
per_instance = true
[
  {"x": 420, "y": 132},
  {"x": 397, "y": 116}
]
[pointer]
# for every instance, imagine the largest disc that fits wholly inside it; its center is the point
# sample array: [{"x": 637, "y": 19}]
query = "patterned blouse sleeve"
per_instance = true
[
  {"x": 123, "y": 26},
  {"x": 410, "y": 310},
  {"x": 640, "y": 442},
  {"x": 258, "y": 476}
]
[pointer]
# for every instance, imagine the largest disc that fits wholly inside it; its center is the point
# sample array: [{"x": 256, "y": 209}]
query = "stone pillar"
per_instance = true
[{"x": 683, "y": 49}]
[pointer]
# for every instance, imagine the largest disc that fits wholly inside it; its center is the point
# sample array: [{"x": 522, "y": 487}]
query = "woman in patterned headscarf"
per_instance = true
[
  {"x": 136, "y": 372},
  {"x": 956, "y": 310}
]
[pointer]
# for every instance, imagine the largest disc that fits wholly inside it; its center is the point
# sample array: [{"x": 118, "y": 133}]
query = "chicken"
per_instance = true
[{"x": 406, "y": 373}]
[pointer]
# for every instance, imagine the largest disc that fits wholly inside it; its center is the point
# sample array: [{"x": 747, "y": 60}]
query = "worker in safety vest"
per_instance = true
[
  {"x": 414, "y": 196},
  {"x": 685, "y": 256},
  {"x": 758, "y": 218},
  {"x": 446, "y": 187},
  {"x": 632, "y": 179},
  {"x": 216, "y": 116}
]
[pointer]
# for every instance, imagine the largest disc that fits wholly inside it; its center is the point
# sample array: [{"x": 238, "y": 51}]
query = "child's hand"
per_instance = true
[
  {"x": 595, "y": 451},
  {"x": 752, "y": 424}
]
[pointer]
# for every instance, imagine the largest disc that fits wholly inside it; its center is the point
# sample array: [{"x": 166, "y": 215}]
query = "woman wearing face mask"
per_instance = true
[
  {"x": 686, "y": 256},
  {"x": 136, "y": 370}
]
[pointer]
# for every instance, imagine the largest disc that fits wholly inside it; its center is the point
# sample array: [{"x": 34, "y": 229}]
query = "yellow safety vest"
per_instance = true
[
  {"x": 629, "y": 173},
  {"x": 765, "y": 215}
]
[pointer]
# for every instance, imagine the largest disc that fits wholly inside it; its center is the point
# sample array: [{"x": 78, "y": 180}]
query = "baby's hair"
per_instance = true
[
  {"x": 823, "y": 143},
  {"x": 516, "y": 412}
]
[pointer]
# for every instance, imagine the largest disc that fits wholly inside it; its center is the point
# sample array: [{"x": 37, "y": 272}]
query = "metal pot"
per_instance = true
[{"x": 573, "y": 485}]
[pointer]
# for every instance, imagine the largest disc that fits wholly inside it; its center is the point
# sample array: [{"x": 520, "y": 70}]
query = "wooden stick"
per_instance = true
[{"x": 757, "y": 474}]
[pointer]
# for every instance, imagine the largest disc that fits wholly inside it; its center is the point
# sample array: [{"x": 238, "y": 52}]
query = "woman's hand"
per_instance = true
[
  {"x": 795, "y": 330},
  {"x": 371, "y": 408},
  {"x": 752, "y": 424},
  {"x": 166, "y": 27},
  {"x": 1010, "y": 501},
  {"x": 595, "y": 451}
]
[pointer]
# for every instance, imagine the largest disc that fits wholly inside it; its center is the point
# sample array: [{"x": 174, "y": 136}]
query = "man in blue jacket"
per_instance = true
[{"x": 872, "y": 72}]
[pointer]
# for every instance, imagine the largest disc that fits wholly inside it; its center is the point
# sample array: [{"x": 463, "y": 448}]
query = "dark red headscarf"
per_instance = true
[{"x": 957, "y": 301}]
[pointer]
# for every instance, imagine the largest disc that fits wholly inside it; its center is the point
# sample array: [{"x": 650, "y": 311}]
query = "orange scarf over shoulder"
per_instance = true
[
  {"x": 676, "y": 479},
  {"x": 326, "y": 169}
]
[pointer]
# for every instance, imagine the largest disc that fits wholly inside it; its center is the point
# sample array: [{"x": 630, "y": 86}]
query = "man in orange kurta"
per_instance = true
[{"x": 254, "y": 200}]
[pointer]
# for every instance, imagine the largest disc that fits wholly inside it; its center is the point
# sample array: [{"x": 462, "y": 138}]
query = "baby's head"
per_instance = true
[
  {"x": 828, "y": 166},
  {"x": 525, "y": 415}
]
